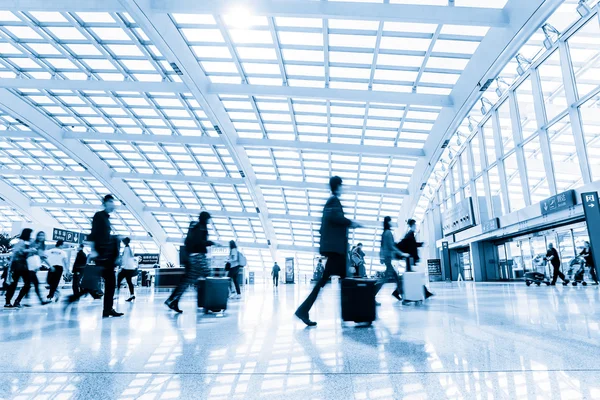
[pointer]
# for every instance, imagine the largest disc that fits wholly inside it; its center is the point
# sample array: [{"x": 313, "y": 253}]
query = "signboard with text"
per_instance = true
[
  {"x": 591, "y": 210},
  {"x": 434, "y": 267},
  {"x": 148, "y": 258},
  {"x": 490, "y": 225},
  {"x": 559, "y": 202},
  {"x": 289, "y": 270},
  {"x": 67, "y": 236},
  {"x": 459, "y": 217}
]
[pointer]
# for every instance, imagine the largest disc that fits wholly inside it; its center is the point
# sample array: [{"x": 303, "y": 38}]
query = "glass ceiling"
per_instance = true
[{"x": 156, "y": 138}]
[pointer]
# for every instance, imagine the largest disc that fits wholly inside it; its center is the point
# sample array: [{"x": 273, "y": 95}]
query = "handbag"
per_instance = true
[{"x": 34, "y": 263}]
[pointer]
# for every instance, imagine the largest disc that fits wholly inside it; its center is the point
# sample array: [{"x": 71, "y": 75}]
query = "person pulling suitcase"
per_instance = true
[
  {"x": 196, "y": 246},
  {"x": 387, "y": 253}
]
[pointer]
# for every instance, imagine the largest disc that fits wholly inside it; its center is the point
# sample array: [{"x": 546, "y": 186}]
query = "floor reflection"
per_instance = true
[{"x": 499, "y": 341}]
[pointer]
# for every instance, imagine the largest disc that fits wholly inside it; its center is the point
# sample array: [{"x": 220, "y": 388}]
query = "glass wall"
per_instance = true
[{"x": 542, "y": 137}]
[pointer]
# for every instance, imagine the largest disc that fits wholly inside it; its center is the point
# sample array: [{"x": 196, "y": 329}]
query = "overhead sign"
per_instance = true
[
  {"x": 434, "y": 267},
  {"x": 591, "y": 210},
  {"x": 66, "y": 236},
  {"x": 559, "y": 202},
  {"x": 459, "y": 217},
  {"x": 490, "y": 225},
  {"x": 147, "y": 258}
]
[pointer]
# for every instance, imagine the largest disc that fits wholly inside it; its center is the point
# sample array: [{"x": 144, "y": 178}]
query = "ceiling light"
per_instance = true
[
  {"x": 484, "y": 103},
  {"x": 498, "y": 89},
  {"x": 523, "y": 62},
  {"x": 551, "y": 34},
  {"x": 583, "y": 9},
  {"x": 471, "y": 126}
]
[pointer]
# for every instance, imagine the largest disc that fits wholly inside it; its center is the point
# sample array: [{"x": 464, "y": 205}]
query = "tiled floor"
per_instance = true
[{"x": 483, "y": 341}]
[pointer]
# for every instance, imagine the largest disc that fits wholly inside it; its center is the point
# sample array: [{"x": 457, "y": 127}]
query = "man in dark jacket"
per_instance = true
[
  {"x": 333, "y": 245},
  {"x": 78, "y": 267},
  {"x": 409, "y": 245}
]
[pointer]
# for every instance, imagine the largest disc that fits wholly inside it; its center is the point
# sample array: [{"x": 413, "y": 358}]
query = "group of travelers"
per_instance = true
[
  {"x": 334, "y": 245},
  {"x": 30, "y": 255}
]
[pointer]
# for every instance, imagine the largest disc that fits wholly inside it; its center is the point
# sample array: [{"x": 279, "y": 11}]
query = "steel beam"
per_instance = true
[
  {"x": 201, "y": 179},
  {"x": 17, "y": 200},
  {"x": 145, "y": 138},
  {"x": 105, "y": 86},
  {"x": 167, "y": 38},
  {"x": 297, "y": 92},
  {"x": 401, "y": 152},
  {"x": 499, "y": 46},
  {"x": 289, "y": 8},
  {"x": 49, "y": 130}
]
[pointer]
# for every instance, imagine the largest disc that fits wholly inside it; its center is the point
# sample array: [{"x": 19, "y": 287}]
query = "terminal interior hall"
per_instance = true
[{"x": 299, "y": 199}]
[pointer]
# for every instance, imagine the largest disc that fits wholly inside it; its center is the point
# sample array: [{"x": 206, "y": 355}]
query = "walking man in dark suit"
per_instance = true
[{"x": 333, "y": 245}]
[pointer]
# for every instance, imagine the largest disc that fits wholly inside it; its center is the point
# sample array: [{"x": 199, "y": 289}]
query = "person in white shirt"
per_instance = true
[
  {"x": 57, "y": 260},
  {"x": 128, "y": 269}
]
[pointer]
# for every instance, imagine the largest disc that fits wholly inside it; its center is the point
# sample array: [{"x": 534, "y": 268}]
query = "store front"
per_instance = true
[{"x": 519, "y": 255}]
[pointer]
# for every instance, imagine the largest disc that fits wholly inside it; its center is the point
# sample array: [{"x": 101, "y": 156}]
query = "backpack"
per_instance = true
[{"x": 241, "y": 259}]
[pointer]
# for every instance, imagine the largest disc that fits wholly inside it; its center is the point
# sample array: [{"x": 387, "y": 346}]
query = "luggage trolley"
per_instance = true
[
  {"x": 577, "y": 270},
  {"x": 537, "y": 277}
]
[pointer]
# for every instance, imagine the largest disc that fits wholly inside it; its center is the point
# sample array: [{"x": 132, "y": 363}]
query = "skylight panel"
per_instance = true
[
  {"x": 7, "y": 48},
  {"x": 457, "y": 64},
  {"x": 439, "y": 78},
  {"x": 256, "y": 53},
  {"x": 95, "y": 17},
  {"x": 357, "y": 73},
  {"x": 246, "y": 21},
  {"x": 409, "y": 27},
  {"x": 203, "y": 35},
  {"x": 396, "y": 43},
  {"x": 84, "y": 49},
  {"x": 25, "y": 63},
  {"x": 394, "y": 60},
  {"x": 194, "y": 19},
  {"x": 464, "y": 30},
  {"x": 303, "y": 55},
  {"x": 299, "y": 22},
  {"x": 348, "y": 57},
  {"x": 125, "y": 50},
  {"x": 138, "y": 65},
  {"x": 262, "y": 69},
  {"x": 23, "y": 32},
  {"x": 265, "y": 81},
  {"x": 8, "y": 16},
  {"x": 455, "y": 46},
  {"x": 300, "y": 38},
  {"x": 352, "y": 41},
  {"x": 243, "y": 36},
  {"x": 393, "y": 75},
  {"x": 66, "y": 33}
]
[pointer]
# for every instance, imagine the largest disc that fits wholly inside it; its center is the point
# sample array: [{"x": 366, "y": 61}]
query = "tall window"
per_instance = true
[
  {"x": 524, "y": 97},
  {"x": 590, "y": 115},
  {"x": 553, "y": 88},
  {"x": 476, "y": 150},
  {"x": 481, "y": 197},
  {"x": 513, "y": 178},
  {"x": 567, "y": 171},
  {"x": 489, "y": 143},
  {"x": 464, "y": 163},
  {"x": 496, "y": 192},
  {"x": 506, "y": 132},
  {"x": 536, "y": 174},
  {"x": 584, "y": 47}
]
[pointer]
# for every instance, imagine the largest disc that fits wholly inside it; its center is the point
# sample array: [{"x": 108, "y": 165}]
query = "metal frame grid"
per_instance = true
[
  {"x": 280, "y": 102},
  {"x": 542, "y": 129}
]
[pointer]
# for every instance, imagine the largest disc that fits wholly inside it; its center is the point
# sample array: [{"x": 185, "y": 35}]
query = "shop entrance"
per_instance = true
[
  {"x": 464, "y": 264},
  {"x": 520, "y": 255}
]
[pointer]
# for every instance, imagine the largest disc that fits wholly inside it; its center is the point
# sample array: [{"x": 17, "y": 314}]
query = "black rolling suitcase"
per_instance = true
[
  {"x": 358, "y": 300},
  {"x": 213, "y": 294}
]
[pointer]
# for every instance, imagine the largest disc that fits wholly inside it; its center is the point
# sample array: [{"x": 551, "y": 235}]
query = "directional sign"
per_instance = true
[
  {"x": 561, "y": 201},
  {"x": 65, "y": 236},
  {"x": 490, "y": 225},
  {"x": 591, "y": 209}
]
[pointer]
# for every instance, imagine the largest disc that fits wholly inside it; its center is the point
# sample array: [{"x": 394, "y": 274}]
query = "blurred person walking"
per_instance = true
[
  {"x": 333, "y": 245},
  {"x": 275, "y": 274},
  {"x": 554, "y": 258},
  {"x": 18, "y": 268},
  {"x": 387, "y": 253},
  {"x": 34, "y": 264},
  {"x": 57, "y": 260},
  {"x": 105, "y": 253},
  {"x": 409, "y": 245},
  {"x": 78, "y": 267},
  {"x": 236, "y": 259},
  {"x": 196, "y": 246},
  {"x": 357, "y": 256},
  {"x": 128, "y": 269},
  {"x": 586, "y": 253}
]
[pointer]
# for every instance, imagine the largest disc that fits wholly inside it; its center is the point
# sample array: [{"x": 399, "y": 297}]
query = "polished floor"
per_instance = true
[{"x": 471, "y": 341}]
